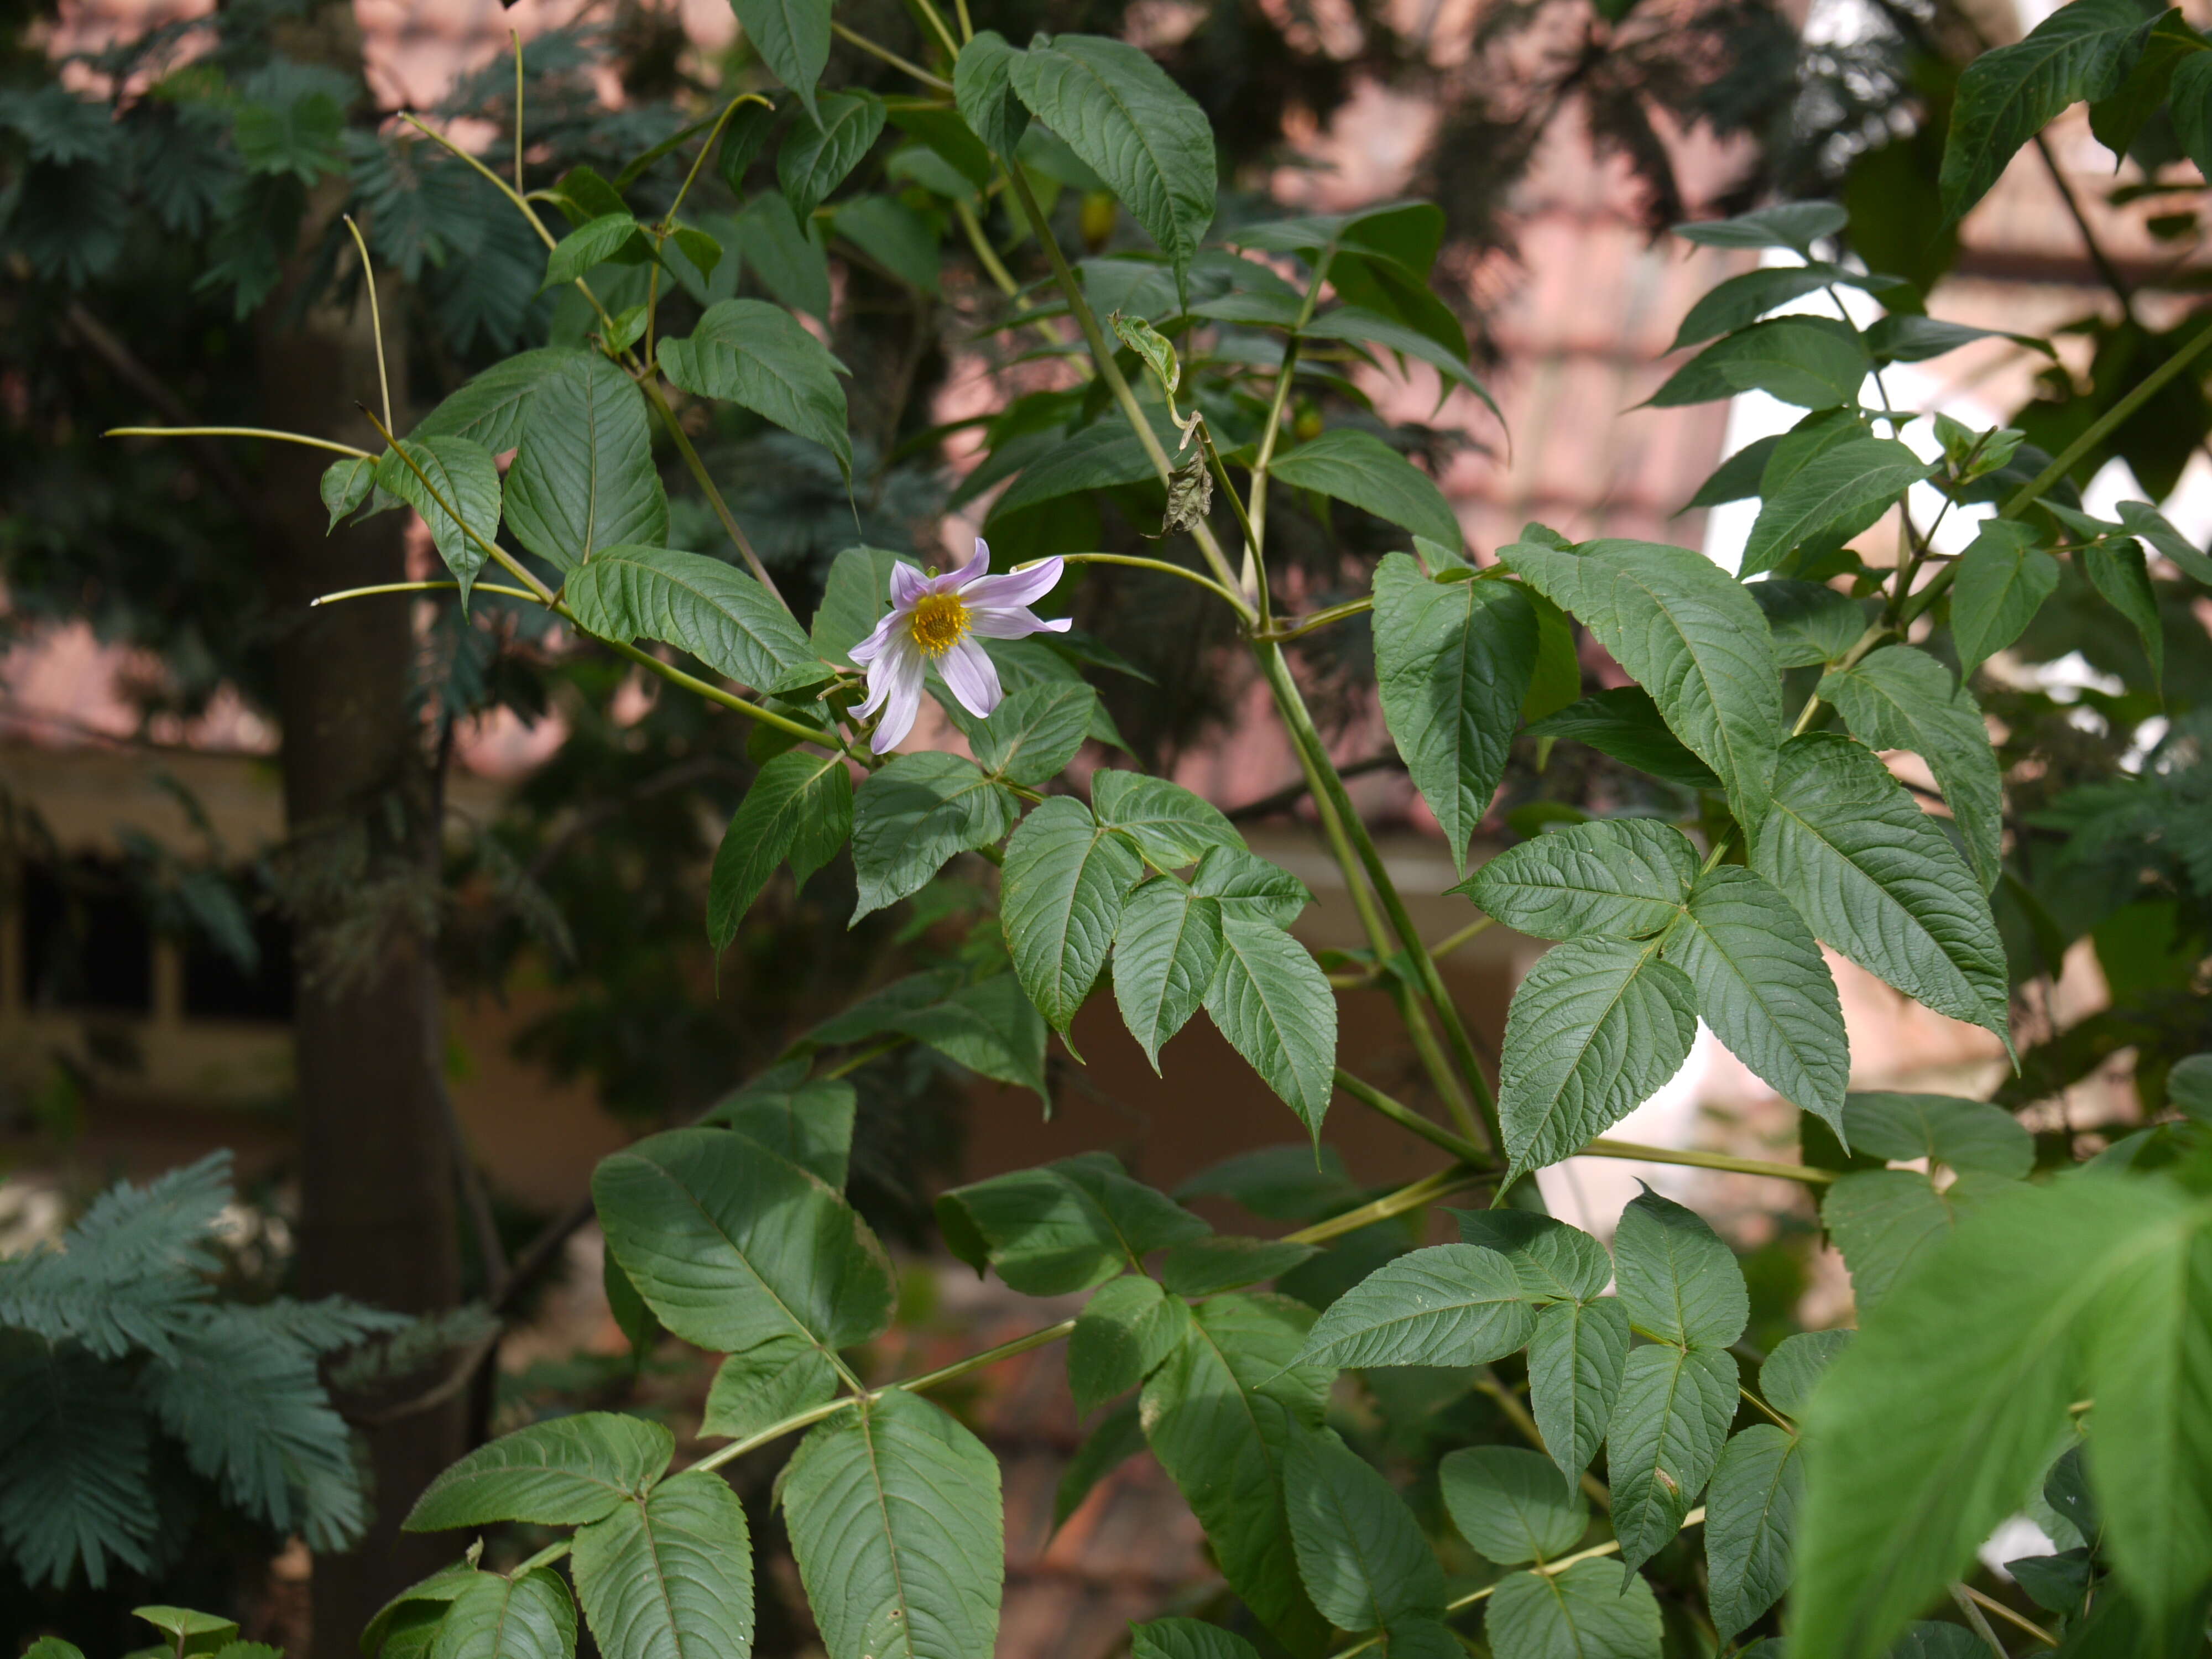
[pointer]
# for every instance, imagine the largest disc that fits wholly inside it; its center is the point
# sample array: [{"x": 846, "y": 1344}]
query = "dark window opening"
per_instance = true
[
  {"x": 217, "y": 988},
  {"x": 86, "y": 942}
]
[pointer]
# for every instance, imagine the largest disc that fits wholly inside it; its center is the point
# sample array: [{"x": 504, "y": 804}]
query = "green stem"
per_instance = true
[
  {"x": 1256, "y": 591},
  {"x": 995, "y": 268},
  {"x": 1292, "y": 626},
  {"x": 2101, "y": 428},
  {"x": 854, "y": 38},
  {"x": 1284, "y": 375},
  {"x": 1406, "y": 1118},
  {"x": 1473, "y": 930},
  {"x": 708, "y": 149},
  {"x": 1802, "y": 1173},
  {"x": 419, "y": 588},
  {"x": 1165, "y": 566},
  {"x": 697, "y": 469},
  {"x": 329, "y": 444},
  {"x": 1509, "y": 1403}
]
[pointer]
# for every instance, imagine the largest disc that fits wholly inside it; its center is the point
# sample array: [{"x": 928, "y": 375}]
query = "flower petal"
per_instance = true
[
  {"x": 976, "y": 566},
  {"x": 973, "y": 677},
  {"x": 873, "y": 646},
  {"x": 908, "y": 585},
  {"x": 1011, "y": 621},
  {"x": 1016, "y": 588},
  {"x": 898, "y": 693}
]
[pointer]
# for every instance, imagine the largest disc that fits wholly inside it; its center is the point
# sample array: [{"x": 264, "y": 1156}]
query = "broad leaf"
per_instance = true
[
  {"x": 787, "y": 256},
  {"x": 854, "y": 601},
  {"x": 750, "y": 353},
  {"x": 1876, "y": 878},
  {"x": 984, "y": 92},
  {"x": 1883, "y": 1221},
  {"x": 799, "y": 807},
  {"x": 1596, "y": 1028},
  {"x": 495, "y": 1617},
  {"x": 1133, "y": 126},
  {"x": 2148, "y": 523},
  {"x": 1814, "y": 362},
  {"x": 765, "y": 1384},
  {"x": 488, "y": 409},
  {"x": 1064, "y": 1226},
  {"x": 2117, "y": 570},
  {"x": 793, "y": 39},
  {"x": 1751, "y": 1519},
  {"x": 1795, "y": 225},
  {"x": 1450, "y": 1305},
  {"x": 1764, "y": 988},
  {"x": 1964, "y": 1134},
  {"x": 1357, "y": 323},
  {"x": 1692, "y": 638},
  {"x": 1361, "y": 1556},
  {"x": 1186, "y": 1639},
  {"x": 1219, "y": 1416},
  {"x": 1577, "y": 1358},
  {"x": 810, "y": 1123},
  {"x": 611, "y": 235},
  {"x": 565, "y": 1471},
  {"x": 896, "y": 1519},
  {"x": 991, "y": 1027},
  {"x": 1556, "y": 1262},
  {"x": 1625, "y": 723},
  {"x": 583, "y": 477},
  {"x": 1097, "y": 457},
  {"x": 1745, "y": 298},
  {"x": 816, "y": 159},
  {"x": 1272, "y": 1002},
  {"x": 1678, "y": 1280},
  {"x": 346, "y": 484},
  {"x": 1625, "y": 877},
  {"x": 731, "y": 1245},
  {"x": 1812, "y": 624},
  {"x": 1034, "y": 733},
  {"x": 714, "y": 610},
  {"x": 1247, "y": 885},
  {"x": 1127, "y": 1329},
  {"x": 2003, "y": 580},
  {"x": 1357, "y": 466},
  {"x": 1512, "y": 1504},
  {"x": 915, "y": 813},
  {"x": 1831, "y": 499},
  {"x": 1668, "y": 1428},
  {"x": 1172, "y": 826},
  {"x": 1065, "y": 881},
  {"x": 448, "y": 473},
  {"x": 1165, "y": 948},
  {"x": 1584, "y": 1613},
  {"x": 1453, "y": 662},
  {"x": 1205, "y": 1267},
  {"x": 670, "y": 1576},
  {"x": 1796, "y": 1367}
]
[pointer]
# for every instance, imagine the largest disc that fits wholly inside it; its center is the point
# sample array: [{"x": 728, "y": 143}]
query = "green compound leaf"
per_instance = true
[
  {"x": 1452, "y": 661},
  {"x": 1165, "y": 950},
  {"x": 815, "y": 160},
  {"x": 731, "y": 1245},
  {"x": 1838, "y": 494},
  {"x": 1965, "y": 1135},
  {"x": 1794, "y": 225},
  {"x": 1625, "y": 723},
  {"x": 1205, "y": 1267},
  {"x": 1623, "y": 877},
  {"x": 1743, "y": 300},
  {"x": 1219, "y": 1415},
  {"x": 1751, "y": 1522},
  {"x": 799, "y": 807},
  {"x": 1359, "y": 467},
  {"x": 610, "y": 236},
  {"x": 448, "y": 473},
  {"x": 2117, "y": 570},
  {"x": 1246, "y": 885},
  {"x": 1576, "y": 1358},
  {"x": 1512, "y": 1504},
  {"x": 915, "y": 813},
  {"x": 1678, "y": 1280},
  {"x": 758, "y": 355},
  {"x": 1064, "y": 1226},
  {"x": 1357, "y": 323},
  {"x": 1169, "y": 825},
  {"x": 346, "y": 483},
  {"x": 714, "y": 610},
  {"x": 1595, "y": 1029},
  {"x": 1360, "y": 1553},
  {"x": 991, "y": 1027},
  {"x": 1814, "y": 362},
  {"x": 896, "y": 1519},
  {"x": 1884, "y": 1220},
  {"x": 1127, "y": 1329},
  {"x": 1556, "y": 1262},
  {"x": 1450, "y": 1305},
  {"x": 1765, "y": 988},
  {"x": 983, "y": 88},
  {"x": 564, "y": 1471},
  {"x": 1188, "y": 1638},
  {"x": 1899, "y": 698},
  {"x": 1666, "y": 1435},
  {"x": 2148, "y": 523},
  {"x": 1133, "y": 126},
  {"x": 793, "y": 39},
  {"x": 2003, "y": 580},
  {"x": 1876, "y": 878},
  {"x": 489, "y": 408},
  {"x": 765, "y": 1384},
  {"x": 810, "y": 1123},
  {"x": 1796, "y": 1367},
  {"x": 1270, "y": 999},
  {"x": 1066, "y": 879},
  {"x": 670, "y": 1576},
  {"x": 583, "y": 477},
  {"x": 495, "y": 1617},
  {"x": 1035, "y": 732},
  {"x": 1812, "y": 624},
  {"x": 1584, "y": 1613},
  {"x": 1691, "y": 637}
]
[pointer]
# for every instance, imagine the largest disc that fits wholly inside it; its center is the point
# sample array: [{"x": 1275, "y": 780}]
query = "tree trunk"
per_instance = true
[{"x": 361, "y": 796}]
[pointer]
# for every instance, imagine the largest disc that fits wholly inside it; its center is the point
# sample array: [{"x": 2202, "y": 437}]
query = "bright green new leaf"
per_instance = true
[
  {"x": 895, "y": 1516},
  {"x": 756, "y": 355},
  {"x": 1127, "y": 1329},
  {"x": 1357, "y": 466},
  {"x": 809, "y": 1121},
  {"x": 1577, "y": 1358},
  {"x": 591, "y": 244},
  {"x": 1623, "y": 877},
  {"x": 1677, "y": 1279},
  {"x": 1883, "y": 1220},
  {"x": 670, "y": 1576},
  {"x": 561, "y": 1471},
  {"x": 583, "y": 477},
  {"x": 732, "y": 1244},
  {"x": 1750, "y": 1521},
  {"x": 1219, "y": 1415},
  {"x": 1064, "y": 1226},
  {"x": 793, "y": 39},
  {"x": 1834, "y": 496},
  {"x": 1765, "y": 988},
  {"x": 1876, "y": 878},
  {"x": 1596, "y": 1028},
  {"x": 1556, "y": 1262},
  {"x": 815, "y": 160},
  {"x": 1206, "y": 1266},
  {"x": 1272, "y": 1002},
  {"x": 765, "y": 1384},
  {"x": 1814, "y": 362},
  {"x": 982, "y": 89},
  {"x": 1691, "y": 637},
  {"x": 1796, "y": 1367},
  {"x": 1249, "y": 885},
  {"x": 1360, "y": 1553},
  {"x": 991, "y": 1027},
  {"x": 714, "y": 610},
  {"x": 1625, "y": 723},
  {"x": 448, "y": 473},
  {"x": 1512, "y": 1505},
  {"x": 2118, "y": 570},
  {"x": 800, "y": 807},
  {"x": 1133, "y": 126},
  {"x": 1964, "y": 1134},
  {"x": 1666, "y": 1435},
  {"x": 1165, "y": 948},
  {"x": 1584, "y": 1613},
  {"x": 2003, "y": 580},
  {"x": 915, "y": 813},
  {"x": 495, "y": 1617},
  {"x": 1453, "y": 662},
  {"x": 1450, "y": 1305},
  {"x": 1066, "y": 879}
]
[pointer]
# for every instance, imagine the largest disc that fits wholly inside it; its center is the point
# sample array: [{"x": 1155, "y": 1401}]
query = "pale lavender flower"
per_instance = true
[{"x": 937, "y": 619}]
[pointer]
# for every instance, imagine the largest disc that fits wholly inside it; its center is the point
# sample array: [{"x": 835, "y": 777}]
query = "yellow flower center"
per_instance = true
[{"x": 939, "y": 623}]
